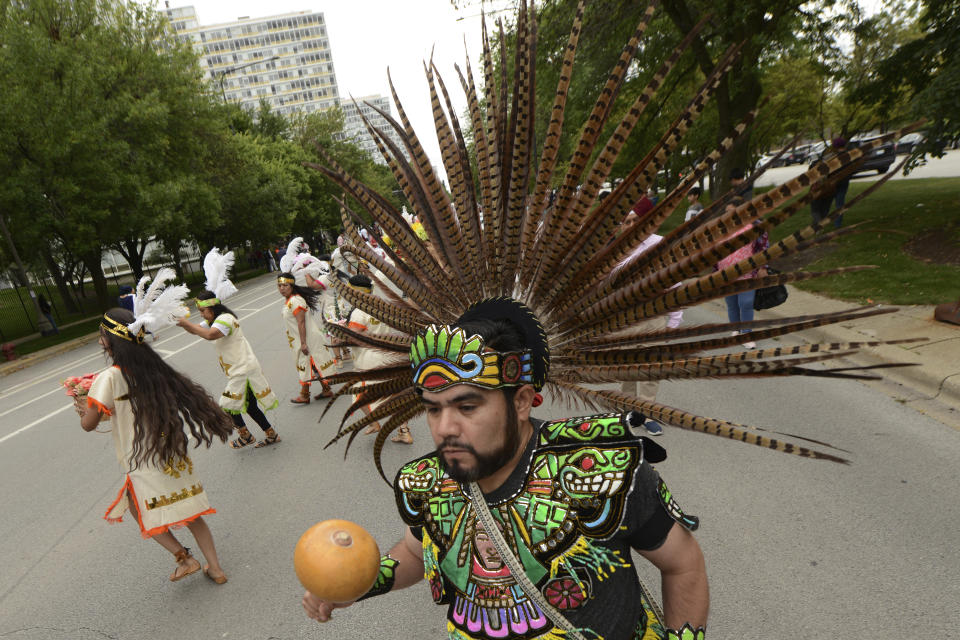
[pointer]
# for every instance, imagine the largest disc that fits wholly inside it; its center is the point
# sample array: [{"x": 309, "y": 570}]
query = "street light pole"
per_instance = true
[{"x": 223, "y": 74}]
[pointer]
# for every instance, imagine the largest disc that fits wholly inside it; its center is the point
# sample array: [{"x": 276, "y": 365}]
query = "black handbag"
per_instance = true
[{"x": 769, "y": 297}]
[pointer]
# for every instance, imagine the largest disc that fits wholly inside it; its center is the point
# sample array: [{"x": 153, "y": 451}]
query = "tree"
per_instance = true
[
  {"x": 768, "y": 31},
  {"x": 926, "y": 72},
  {"x": 101, "y": 114}
]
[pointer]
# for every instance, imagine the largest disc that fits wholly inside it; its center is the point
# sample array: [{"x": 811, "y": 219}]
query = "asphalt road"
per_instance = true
[{"x": 795, "y": 548}]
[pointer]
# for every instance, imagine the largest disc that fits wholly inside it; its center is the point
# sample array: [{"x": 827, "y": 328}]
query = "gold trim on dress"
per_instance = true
[
  {"x": 164, "y": 501},
  {"x": 232, "y": 396},
  {"x": 174, "y": 469},
  {"x": 264, "y": 393}
]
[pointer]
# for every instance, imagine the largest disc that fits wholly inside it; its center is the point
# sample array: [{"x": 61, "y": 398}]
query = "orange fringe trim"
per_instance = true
[
  {"x": 298, "y": 311},
  {"x": 148, "y": 533},
  {"x": 99, "y": 406},
  {"x": 356, "y": 326}
]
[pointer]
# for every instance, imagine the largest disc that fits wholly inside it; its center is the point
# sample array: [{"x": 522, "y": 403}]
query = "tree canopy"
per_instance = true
[{"x": 111, "y": 139}]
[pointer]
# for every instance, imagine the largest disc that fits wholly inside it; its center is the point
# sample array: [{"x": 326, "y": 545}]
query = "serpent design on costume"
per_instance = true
[{"x": 574, "y": 495}]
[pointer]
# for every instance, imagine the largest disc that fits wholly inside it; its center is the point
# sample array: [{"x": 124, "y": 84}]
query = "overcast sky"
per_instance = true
[{"x": 367, "y": 36}]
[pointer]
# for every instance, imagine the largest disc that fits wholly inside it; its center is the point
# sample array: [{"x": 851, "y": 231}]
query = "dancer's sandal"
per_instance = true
[
  {"x": 374, "y": 428},
  {"x": 326, "y": 393},
  {"x": 182, "y": 556},
  {"x": 242, "y": 442},
  {"x": 403, "y": 436},
  {"x": 269, "y": 439},
  {"x": 221, "y": 579}
]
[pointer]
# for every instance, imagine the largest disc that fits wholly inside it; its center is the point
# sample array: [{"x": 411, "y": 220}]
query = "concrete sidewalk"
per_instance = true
[{"x": 932, "y": 386}]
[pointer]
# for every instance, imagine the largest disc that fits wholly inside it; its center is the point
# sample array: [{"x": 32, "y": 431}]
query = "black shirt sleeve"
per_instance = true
[{"x": 646, "y": 521}]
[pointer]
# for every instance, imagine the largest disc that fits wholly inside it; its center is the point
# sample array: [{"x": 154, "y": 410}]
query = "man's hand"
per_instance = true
[
  {"x": 304, "y": 349},
  {"x": 318, "y": 609},
  {"x": 183, "y": 322}
]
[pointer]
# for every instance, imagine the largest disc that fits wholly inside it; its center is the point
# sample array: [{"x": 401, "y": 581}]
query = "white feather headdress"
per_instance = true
[
  {"x": 216, "y": 268},
  {"x": 158, "y": 305},
  {"x": 287, "y": 260}
]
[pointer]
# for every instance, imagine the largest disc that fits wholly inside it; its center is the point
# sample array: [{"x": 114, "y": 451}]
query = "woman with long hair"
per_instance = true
[
  {"x": 247, "y": 388},
  {"x": 310, "y": 354},
  {"x": 151, "y": 407}
]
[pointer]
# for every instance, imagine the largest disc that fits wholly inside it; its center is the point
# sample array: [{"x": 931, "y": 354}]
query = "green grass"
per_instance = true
[
  {"x": 887, "y": 219},
  {"x": 80, "y": 324},
  {"x": 83, "y": 328}
]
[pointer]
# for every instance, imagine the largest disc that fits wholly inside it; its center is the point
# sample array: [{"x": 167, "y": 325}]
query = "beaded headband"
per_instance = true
[
  {"x": 209, "y": 302},
  {"x": 121, "y": 331},
  {"x": 442, "y": 356}
]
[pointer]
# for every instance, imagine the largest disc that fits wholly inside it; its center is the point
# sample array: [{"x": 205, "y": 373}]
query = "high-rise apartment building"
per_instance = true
[
  {"x": 283, "y": 59},
  {"x": 355, "y": 131}
]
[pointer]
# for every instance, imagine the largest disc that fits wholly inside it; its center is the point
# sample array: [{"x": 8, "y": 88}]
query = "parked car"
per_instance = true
[
  {"x": 878, "y": 159},
  {"x": 814, "y": 152},
  {"x": 907, "y": 143}
]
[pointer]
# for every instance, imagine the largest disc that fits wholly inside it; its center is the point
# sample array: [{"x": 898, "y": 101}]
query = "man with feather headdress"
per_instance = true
[{"x": 524, "y": 529}]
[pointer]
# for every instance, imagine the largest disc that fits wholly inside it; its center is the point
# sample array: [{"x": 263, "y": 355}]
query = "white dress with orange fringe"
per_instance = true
[
  {"x": 241, "y": 367},
  {"x": 320, "y": 357},
  {"x": 365, "y": 358},
  {"x": 159, "y": 498}
]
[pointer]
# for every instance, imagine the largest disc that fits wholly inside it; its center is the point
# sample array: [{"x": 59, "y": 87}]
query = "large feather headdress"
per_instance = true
[
  {"x": 554, "y": 253},
  {"x": 216, "y": 269},
  {"x": 160, "y": 304},
  {"x": 293, "y": 249}
]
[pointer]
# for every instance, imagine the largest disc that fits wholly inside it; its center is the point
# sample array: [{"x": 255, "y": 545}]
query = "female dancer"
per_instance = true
[
  {"x": 246, "y": 385},
  {"x": 368, "y": 358},
  {"x": 149, "y": 404},
  {"x": 310, "y": 354}
]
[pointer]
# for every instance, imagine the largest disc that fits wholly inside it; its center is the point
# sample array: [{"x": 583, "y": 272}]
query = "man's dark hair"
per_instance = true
[
  {"x": 694, "y": 191},
  {"x": 499, "y": 334},
  {"x": 361, "y": 280},
  {"x": 736, "y": 173}
]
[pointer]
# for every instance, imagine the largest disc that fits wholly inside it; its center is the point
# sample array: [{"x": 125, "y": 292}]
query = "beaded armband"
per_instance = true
[
  {"x": 687, "y": 632},
  {"x": 385, "y": 578}
]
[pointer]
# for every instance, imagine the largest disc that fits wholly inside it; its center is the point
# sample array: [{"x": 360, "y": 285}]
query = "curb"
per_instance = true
[{"x": 45, "y": 354}]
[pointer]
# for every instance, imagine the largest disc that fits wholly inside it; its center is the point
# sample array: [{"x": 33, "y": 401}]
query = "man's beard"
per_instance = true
[{"x": 486, "y": 464}]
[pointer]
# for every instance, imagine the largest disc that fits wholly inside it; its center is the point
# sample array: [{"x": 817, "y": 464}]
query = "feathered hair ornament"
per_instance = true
[
  {"x": 154, "y": 307},
  {"x": 216, "y": 269},
  {"x": 287, "y": 259},
  {"x": 508, "y": 243}
]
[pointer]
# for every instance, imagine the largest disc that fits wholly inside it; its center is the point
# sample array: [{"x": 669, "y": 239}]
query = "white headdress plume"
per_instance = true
[
  {"x": 160, "y": 305},
  {"x": 216, "y": 268},
  {"x": 287, "y": 260},
  {"x": 305, "y": 264}
]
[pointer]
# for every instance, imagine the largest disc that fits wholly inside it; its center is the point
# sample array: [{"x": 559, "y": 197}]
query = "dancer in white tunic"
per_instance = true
[
  {"x": 366, "y": 358},
  {"x": 149, "y": 405},
  {"x": 310, "y": 354},
  {"x": 319, "y": 277},
  {"x": 247, "y": 390}
]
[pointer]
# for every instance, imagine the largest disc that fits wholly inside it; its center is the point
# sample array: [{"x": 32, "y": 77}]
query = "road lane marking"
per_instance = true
[
  {"x": 69, "y": 406},
  {"x": 76, "y": 363},
  {"x": 36, "y": 422}
]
